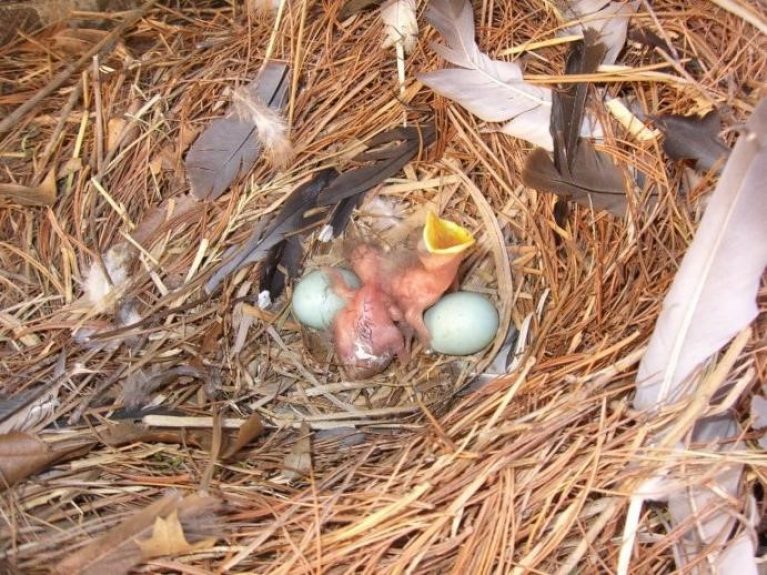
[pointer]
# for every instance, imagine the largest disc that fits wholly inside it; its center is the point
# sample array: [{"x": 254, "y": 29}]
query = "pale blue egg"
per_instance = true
[
  {"x": 314, "y": 303},
  {"x": 461, "y": 323}
]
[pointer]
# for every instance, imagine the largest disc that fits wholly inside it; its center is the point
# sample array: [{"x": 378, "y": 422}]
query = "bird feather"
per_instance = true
[
  {"x": 693, "y": 138},
  {"x": 713, "y": 295},
  {"x": 231, "y": 145},
  {"x": 494, "y": 90},
  {"x": 609, "y": 19},
  {"x": 399, "y": 18}
]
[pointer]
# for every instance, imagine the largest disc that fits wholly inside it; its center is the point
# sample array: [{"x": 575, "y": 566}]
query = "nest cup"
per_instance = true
[{"x": 434, "y": 466}]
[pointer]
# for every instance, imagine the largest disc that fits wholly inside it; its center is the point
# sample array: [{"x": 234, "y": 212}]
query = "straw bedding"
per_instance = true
[{"x": 415, "y": 470}]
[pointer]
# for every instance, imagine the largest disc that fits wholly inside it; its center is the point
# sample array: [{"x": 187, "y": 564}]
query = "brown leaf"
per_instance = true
[
  {"x": 252, "y": 428},
  {"x": 298, "y": 463},
  {"x": 23, "y": 454},
  {"x": 126, "y": 432},
  {"x": 168, "y": 539},
  {"x": 75, "y": 41},
  {"x": 170, "y": 213},
  {"x": 42, "y": 195},
  {"x": 118, "y": 550},
  {"x": 115, "y": 128}
]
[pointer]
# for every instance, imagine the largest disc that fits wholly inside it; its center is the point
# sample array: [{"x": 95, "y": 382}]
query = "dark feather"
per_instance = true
[
  {"x": 328, "y": 188},
  {"x": 385, "y": 163},
  {"x": 354, "y": 6},
  {"x": 291, "y": 219},
  {"x": 342, "y": 213},
  {"x": 388, "y": 153},
  {"x": 595, "y": 180},
  {"x": 693, "y": 138},
  {"x": 578, "y": 171},
  {"x": 284, "y": 263},
  {"x": 568, "y": 105},
  {"x": 229, "y": 145},
  {"x": 647, "y": 37}
]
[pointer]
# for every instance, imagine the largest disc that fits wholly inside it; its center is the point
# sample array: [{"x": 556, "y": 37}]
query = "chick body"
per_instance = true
[
  {"x": 365, "y": 336},
  {"x": 413, "y": 282}
]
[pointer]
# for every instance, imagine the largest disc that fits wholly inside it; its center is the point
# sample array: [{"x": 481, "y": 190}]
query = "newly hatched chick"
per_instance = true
[
  {"x": 415, "y": 282},
  {"x": 365, "y": 337}
]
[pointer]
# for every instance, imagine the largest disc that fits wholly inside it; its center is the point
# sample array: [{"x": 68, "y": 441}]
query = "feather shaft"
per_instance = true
[{"x": 713, "y": 295}]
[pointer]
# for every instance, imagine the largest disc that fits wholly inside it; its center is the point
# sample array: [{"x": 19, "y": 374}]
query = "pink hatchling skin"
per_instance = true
[
  {"x": 413, "y": 281},
  {"x": 365, "y": 336}
]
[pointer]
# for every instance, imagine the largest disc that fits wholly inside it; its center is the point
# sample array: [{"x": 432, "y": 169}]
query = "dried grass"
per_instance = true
[{"x": 527, "y": 474}]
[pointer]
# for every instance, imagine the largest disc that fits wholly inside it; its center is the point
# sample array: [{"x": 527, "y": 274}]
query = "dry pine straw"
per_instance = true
[{"x": 527, "y": 472}]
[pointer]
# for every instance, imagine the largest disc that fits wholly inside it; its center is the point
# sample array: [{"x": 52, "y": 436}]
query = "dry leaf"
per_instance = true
[
  {"x": 126, "y": 432},
  {"x": 23, "y": 454},
  {"x": 115, "y": 127},
  {"x": 118, "y": 551},
  {"x": 76, "y": 41},
  {"x": 230, "y": 146},
  {"x": 298, "y": 463},
  {"x": 42, "y": 195},
  {"x": 168, "y": 539},
  {"x": 252, "y": 428},
  {"x": 171, "y": 213},
  {"x": 491, "y": 89}
]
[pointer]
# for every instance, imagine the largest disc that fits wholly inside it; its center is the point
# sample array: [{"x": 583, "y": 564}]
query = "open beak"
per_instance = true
[{"x": 445, "y": 237}]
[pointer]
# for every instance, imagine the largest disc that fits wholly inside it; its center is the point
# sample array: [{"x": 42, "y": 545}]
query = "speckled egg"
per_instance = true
[
  {"x": 314, "y": 304},
  {"x": 461, "y": 323}
]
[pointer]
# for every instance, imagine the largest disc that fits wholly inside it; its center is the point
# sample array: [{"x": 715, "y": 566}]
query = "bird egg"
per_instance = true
[
  {"x": 314, "y": 303},
  {"x": 461, "y": 323}
]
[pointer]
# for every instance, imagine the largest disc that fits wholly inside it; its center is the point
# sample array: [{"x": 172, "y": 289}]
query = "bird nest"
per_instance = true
[{"x": 169, "y": 428}]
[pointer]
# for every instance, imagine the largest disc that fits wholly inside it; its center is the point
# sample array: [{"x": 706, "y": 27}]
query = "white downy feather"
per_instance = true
[
  {"x": 491, "y": 89},
  {"x": 100, "y": 291},
  {"x": 272, "y": 130},
  {"x": 399, "y": 18}
]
